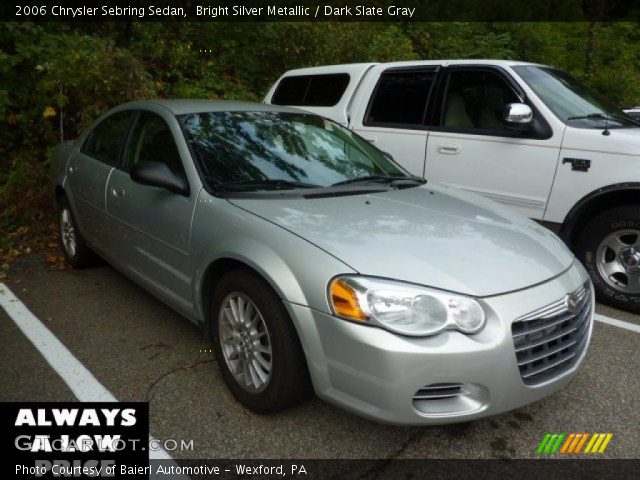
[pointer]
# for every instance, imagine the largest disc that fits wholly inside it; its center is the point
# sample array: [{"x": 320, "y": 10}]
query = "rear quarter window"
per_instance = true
[{"x": 311, "y": 90}]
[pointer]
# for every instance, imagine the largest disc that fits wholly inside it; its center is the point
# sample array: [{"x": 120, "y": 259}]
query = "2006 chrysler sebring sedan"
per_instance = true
[{"x": 312, "y": 259}]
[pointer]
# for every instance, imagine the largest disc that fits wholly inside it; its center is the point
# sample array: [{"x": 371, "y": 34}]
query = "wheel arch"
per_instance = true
[
  {"x": 59, "y": 193},
  {"x": 220, "y": 266},
  {"x": 595, "y": 203}
]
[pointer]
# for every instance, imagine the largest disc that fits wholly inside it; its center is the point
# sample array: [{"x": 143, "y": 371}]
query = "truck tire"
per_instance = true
[
  {"x": 256, "y": 345},
  {"x": 609, "y": 248},
  {"x": 74, "y": 247}
]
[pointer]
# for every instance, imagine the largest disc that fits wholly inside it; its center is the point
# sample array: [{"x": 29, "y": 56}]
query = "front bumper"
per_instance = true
[{"x": 376, "y": 373}]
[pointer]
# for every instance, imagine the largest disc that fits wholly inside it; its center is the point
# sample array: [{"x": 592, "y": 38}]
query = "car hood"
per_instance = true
[{"x": 432, "y": 235}]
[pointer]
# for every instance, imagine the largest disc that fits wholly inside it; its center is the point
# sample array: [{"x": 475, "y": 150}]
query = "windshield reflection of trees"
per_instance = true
[{"x": 246, "y": 146}]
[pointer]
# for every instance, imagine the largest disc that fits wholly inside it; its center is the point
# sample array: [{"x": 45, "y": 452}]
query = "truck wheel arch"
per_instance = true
[{"x": 595, "y": 203}]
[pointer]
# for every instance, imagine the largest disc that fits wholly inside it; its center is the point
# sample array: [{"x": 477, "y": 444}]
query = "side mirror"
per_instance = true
[
  {"x": 517, "y": 116},
  {"x": 157, "y": 174}
]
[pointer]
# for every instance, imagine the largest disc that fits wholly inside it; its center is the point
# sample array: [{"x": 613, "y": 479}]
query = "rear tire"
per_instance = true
[
  {"x": 73, "y": 244},
  {"x": 249, "y": 320},
  {"x": 609, "y": 248}
]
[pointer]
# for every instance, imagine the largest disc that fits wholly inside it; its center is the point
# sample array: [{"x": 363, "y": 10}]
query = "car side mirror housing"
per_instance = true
[
  {"x": 157, "y": 174},
  {"x": 517, "y": 116}
]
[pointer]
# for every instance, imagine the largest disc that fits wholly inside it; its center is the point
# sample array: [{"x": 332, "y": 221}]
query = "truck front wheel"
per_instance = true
[{"x": 609, "y": 248}]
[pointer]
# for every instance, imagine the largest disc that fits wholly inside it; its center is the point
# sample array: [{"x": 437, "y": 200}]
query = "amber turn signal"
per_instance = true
[{"x": 345, "y": 302}]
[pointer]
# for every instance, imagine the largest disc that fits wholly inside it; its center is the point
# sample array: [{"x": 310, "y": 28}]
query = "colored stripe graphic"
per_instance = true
[
  {"x": 567, "y": 442},
  {"x": 605, "y": 442},
  {"x": 572, "y": 443},
  {"x": 582, "y": 442},
  {"x": 543, "y": 443}
]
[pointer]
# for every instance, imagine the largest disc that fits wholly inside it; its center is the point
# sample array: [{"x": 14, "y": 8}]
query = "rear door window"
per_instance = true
[
  {"x": 400, "y": 98},
  {"x": 106, "y": 139},
  {"x": 311, "y": 90}
]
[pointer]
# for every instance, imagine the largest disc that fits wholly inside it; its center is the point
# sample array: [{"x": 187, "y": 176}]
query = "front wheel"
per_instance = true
[
  {"x": 609, "y": 247},
  {"x": 256, "y": 345}
]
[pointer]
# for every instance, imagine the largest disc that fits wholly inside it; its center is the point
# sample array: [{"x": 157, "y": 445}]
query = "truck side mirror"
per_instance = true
[{"x": 517, "y": 116}]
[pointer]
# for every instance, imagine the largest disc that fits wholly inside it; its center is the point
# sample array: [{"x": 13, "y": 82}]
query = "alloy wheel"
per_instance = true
[
  {"x": 245, "y": 342},
  {"x": 67, "y": 232}
]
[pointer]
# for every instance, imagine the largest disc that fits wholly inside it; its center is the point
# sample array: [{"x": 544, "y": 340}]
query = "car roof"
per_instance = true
[
  {"x": 186, "y": 106},
  {"x": 407, "y": 63}
]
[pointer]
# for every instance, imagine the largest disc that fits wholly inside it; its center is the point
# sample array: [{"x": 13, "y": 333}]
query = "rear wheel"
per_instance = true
[
  {"x": 256, "y": 345},
  {"x": 609, "y": 247},
  {"x": 73, "y": 245}
]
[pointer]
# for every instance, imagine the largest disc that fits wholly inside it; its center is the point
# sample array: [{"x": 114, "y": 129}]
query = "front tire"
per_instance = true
[
  {"x": 256, "y": 345},
  {"x": 73, "y": 244},
  {"x": 609, "y": 247}
]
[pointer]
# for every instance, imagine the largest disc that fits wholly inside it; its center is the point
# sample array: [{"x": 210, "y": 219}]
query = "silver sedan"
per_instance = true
[{"x": 315, "y": 262}]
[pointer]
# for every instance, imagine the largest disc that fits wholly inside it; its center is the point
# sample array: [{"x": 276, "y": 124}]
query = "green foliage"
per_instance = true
[{"x": 56, "y": 78}]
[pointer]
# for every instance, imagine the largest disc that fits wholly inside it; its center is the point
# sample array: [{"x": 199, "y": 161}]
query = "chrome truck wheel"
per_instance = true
[
  {"x": 609, "y": 248},
  {"x": 618, "y": 260}
]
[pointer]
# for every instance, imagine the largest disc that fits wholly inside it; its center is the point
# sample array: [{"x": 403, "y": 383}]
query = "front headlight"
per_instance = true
[{"x": 403, "y": 308}]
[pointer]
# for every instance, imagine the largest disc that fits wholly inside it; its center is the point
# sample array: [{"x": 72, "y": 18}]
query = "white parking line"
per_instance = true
[
  {"x": 634, "y": 327},
  {"x": 81, "y": 381}
]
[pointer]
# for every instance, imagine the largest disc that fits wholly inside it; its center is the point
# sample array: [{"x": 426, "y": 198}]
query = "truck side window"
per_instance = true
[
  {"x": 105, "y": 140},
  {"x": 475, "y": 100},
  {"x": 400, "y": 98},
  {"x": 152, "y": 140},
  {"x": 324, "y": 90}
]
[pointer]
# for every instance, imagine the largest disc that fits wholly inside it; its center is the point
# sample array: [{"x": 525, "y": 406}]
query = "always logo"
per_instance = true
[
  {"x": 43, "y": 417},
  {"x": 70, "y": 417},
  {"x": 74, "y": 439}
]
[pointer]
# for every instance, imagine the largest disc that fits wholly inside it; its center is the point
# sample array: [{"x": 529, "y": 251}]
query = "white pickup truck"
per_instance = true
[{"x": 526, "y": 135}]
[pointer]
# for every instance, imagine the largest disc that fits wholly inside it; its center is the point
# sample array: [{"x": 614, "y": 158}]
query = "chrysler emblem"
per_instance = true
[{"x": 571, "y": 301}]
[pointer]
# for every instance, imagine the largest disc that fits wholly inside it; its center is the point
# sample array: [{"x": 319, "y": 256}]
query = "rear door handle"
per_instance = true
[
  {"x": 117, "y": 192},
  {"x": 449, "y": 149}
]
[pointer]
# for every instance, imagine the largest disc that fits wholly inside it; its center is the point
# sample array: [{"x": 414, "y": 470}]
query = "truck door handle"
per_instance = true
[
  {"x": 449, "y": 149},
  {"x": 117, "y": 192},
  {"x": 371, "y": 139}
]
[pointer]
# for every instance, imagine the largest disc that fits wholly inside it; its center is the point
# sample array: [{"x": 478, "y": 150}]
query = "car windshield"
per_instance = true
[
  {"x": 571, "y": 101},
  {"x": 265, "y": 150}
]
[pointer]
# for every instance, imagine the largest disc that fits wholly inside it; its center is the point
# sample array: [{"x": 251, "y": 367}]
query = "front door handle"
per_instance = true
[
  {"x": 371, "y": 139},
  {"x": 117, "y": 192},
  {"x": 449, "y": 149},
  {"x": 72, "y": 169}
]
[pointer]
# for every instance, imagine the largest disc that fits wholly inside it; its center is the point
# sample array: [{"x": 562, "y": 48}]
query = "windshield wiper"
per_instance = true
[
  {"x": 277, "y": 183},
  {"x": 379, "y": 179},
  {"x": 594, "y": 116}
]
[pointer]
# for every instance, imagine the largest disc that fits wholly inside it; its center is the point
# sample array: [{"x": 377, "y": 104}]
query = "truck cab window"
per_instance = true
[{"x": 475, "y": 100}]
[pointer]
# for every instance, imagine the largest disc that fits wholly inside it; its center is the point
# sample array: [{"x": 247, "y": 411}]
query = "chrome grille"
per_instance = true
[{"x": 549, "y": 340}]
